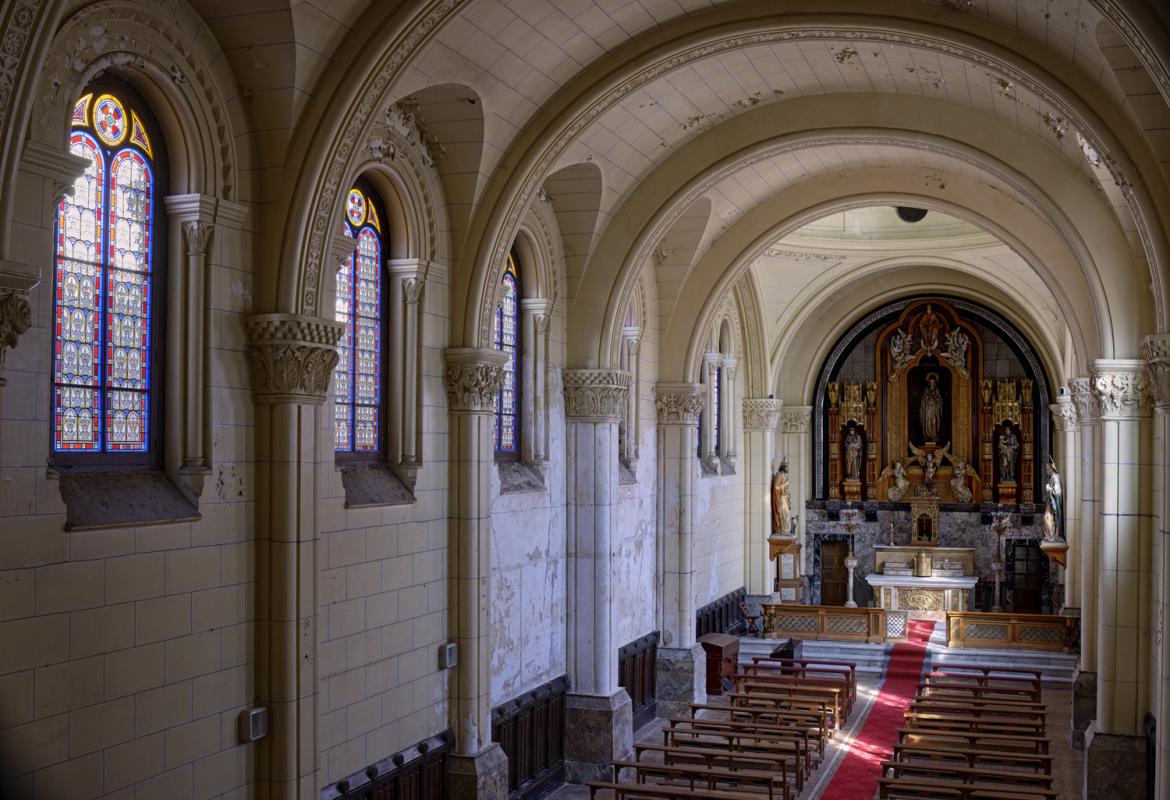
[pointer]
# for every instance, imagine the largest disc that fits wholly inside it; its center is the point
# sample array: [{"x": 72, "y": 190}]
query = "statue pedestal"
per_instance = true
[
  {"x": 785, "y": 551},
  {"x": 1056, "y": 551},
  {"x": 1007, "y": 492},
  {"x": 853, "y": 490}
]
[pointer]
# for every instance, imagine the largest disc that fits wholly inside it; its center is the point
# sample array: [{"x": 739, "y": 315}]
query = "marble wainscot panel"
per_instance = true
[{"x": 959, "y": 526}]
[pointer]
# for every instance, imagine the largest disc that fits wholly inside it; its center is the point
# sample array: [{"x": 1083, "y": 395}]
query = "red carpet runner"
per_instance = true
[{"x": 857, "y": 776}]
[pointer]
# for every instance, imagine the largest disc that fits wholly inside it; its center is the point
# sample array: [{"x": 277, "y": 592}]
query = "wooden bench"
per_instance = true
[
  {"x": 785, "y": 701},
  {"x": 928, "y": 789},
  {"x": 1039, "y": 717},
  {"x": 972, "y": 781},
  {"x": 984, "y": 669},
  {"x": 794, "y": 747},
  {"x": 744, "y": 726},
  {"x": 775, "y": 786},
  {"x": 775, "y": 684},
  {"x": 945, "y": 689},
  {"x": 976, "y": 740},
  {"x": 968, "y": 722},
  {"x": 973, "y": 758},
  {"x": 653, "y": 790},
  {"x": 723, "y": 757},
  {"x": 815, "y": 721},
  {"x": 799, "y": 670},
  {"x": 1014, "y": 779},
  {"x": 1023, "y": 687}
]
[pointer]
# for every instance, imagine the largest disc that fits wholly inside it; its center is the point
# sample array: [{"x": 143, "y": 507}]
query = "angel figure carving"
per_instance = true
[
  {"x": 930, "y": 463},
  {"x": 900, "y": 352},
  {"x": 959, "y": 482},
  {"x": 901, "y": 484}
]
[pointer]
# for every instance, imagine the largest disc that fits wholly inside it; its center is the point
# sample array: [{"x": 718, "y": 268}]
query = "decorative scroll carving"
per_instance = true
[
  {"x": 1123, "y": 395},
  {"x": 198, "y": 237},
  {"x": 1156, "y": 349},
  {"x": 595, "y": 394},
  {"x": 473, "y": 377},
  {"x": 1064, "y": 414},
  {"x": 679, "y": 404},
  {"x": 795, "y": 420},
  {"x": 1086, "y": 403},
  {"x": 761, "y": 414},
  {"x": 292, "y": 357},
  {"x": 15, "y": 319}
]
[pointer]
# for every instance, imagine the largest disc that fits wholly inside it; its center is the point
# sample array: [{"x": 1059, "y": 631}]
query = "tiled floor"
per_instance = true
[{"x": 1068, "y": 764}]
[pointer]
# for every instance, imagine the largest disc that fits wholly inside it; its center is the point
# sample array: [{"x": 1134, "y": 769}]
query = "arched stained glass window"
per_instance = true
[
  {"x": 357, "y": 381},
  {"x": 105, "y": 283},
  {"x": 507, "y": 339}
]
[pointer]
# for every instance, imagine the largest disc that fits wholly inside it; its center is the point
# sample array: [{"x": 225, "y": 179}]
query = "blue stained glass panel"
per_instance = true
[{"x": 507, "y": 337}]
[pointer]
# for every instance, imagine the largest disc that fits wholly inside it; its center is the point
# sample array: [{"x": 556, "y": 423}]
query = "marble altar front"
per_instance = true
[{"x": 926, "y": 582}]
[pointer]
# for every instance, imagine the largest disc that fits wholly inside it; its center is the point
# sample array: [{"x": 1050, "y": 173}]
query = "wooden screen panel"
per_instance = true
[
  {"x": 722, "y": 615},
  {"x": 531, "y": 731},
  {"x": 416, "y": 773},
  {"x": 637, "y": 674}
]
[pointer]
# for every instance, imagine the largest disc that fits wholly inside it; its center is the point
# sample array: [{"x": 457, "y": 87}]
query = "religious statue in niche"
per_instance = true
[
  {"x": 853, "y": 454},
  {"x": 781, "y": 505},
  {"x": 930, "y": 408},
  {"x": 1009, "y": 446},
  {"x": 930, "y": 460},
  {"x": 959, "y": 482},
  {"x": 1053, "y": 506},
  {"x": 901, "y": 484}
]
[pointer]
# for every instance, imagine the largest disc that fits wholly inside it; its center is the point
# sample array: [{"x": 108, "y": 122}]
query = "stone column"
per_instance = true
[
  {"x": 597, "y": 711},
  {"x": 534, "y": 332},
  {"x": 292, "y": 359},
  {"x": 707, "y": 440},
  {"x": 760, "y": 417},
  {"x": 1088, "y": 412},
  {"x": 1067, "y": 458},
  {"x": 404, "y": 299},
  {"x": 1157, "y": 352},
  {"x": 478, "y": 767},
  {"x": 1115, "y": 757},
  {"x": 631, "y": 337},
  {"x": 796, "y": 426},
  {"x": 682, "y": 670},
  {"x": 727, "y": 447}
]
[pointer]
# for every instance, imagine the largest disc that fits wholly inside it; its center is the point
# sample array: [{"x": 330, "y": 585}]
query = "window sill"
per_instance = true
[
  {"x": 97, "y": 500},
  {"x": 373, "y": 484},
  {"x": 626, "y": 474},
  {"x": 516, "y": 477},
  {"x": 715, "y": 468}
]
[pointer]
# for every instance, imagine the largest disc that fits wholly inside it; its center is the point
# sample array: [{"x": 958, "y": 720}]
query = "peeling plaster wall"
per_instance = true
[
  {"x": 382, "y": 588},
  {"x": 528, "y": 580}
]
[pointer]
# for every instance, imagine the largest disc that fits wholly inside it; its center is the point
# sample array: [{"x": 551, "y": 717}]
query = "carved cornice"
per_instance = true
[
  {"x": 15, "y": 319},
  {"x": 1064, "y": 414},
  {"x": 761, "y": 414},
  {"x": 597, "y": 395},
  {"x": 292, "y": 357},
  {"x": 473, "y": 377},
  {"x": 60, "y": 167},
  {"x": 679, "y": 403},
  {"x": 796, "y": 420},
  {"x": 1122, "y": 389},
  {"x": 1088, "y": 409},
  {"x": 1156, "y": 349}
]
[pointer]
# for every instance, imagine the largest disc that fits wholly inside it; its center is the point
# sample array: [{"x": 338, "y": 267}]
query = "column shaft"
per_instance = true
[
  {"x": 1157, "y": 352},
  {"x": 1067, "y": 457},
  {"x": 760, "y": 418}
]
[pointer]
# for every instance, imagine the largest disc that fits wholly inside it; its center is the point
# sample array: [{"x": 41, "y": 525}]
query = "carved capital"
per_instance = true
[
  {"x": 597, "y": 395},
  {"x": 197, "y": 235},
  {"x": 473, "y": 377},
  {"x": 15, "y": 319},
  {"x": 1064, "y": 414},
  {"x": 1122, "y": 388},
  {"x": 1156, "y": 349},
  {"x": 679, "y": 403},
  {"x": 412, "y": 289},
  {"x": 761, "y": 414},
  {"x": 796, "y": 420},
  {"x": 1088, "y": 410},
  {"x": 292, "y": 357},
  {"x": 730, "y": 368}
]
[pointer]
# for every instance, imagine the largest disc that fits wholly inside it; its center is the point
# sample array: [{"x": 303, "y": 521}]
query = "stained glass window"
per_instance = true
[
  {"x": 507, "y": 339},
  {"x": 104, "y": 285},
  {"x": 718, "y": 418},
  {"x": 357, "y": 381}
]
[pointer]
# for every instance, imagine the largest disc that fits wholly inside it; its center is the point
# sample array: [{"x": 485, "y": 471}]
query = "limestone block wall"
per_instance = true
[
  {"x": 127, "y": 651},
  {"x": 382, "y": 588},
  {"x": 528, "y": 580},
  {"x": 718, "y": 535}
]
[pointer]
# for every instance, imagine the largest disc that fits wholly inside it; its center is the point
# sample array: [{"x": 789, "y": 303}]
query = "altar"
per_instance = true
[{"x": 926, "y": 582}]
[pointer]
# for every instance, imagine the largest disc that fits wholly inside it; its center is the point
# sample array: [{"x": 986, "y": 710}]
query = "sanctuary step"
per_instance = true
[{"x": 871, "y": 658}]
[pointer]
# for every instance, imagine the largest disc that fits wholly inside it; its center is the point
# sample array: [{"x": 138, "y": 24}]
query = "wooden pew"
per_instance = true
[
  {"x": 1039, "y": 717},
  {"x": 698, "y": 775},
  {"x": 711, "y": 754},
  {"x": 975, "y": 740},
  {"x": 805, "y": 668},
  {"x": 973, "y": 758},
  {"x": 660, "y": 792},
  {"x": 986, "y": 670},
  {"x": 794, "y": 747},
  {"x": 808, "y": 734},
  {"x": 930, "y": 789},
  {"x": 776, "y": 684},
  {"x": 1022, "y": 687},
  {"x": 968, "y": 722},
  {"x": 786, "y": 700},
  {"x": 1009, "y": 780},
  {"x": 940, "y": 688}
]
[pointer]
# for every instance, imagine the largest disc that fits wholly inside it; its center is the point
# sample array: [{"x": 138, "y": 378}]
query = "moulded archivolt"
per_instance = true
[
  {"x": 1156, "y": 349},
  {"x": 563, "y": 138}
]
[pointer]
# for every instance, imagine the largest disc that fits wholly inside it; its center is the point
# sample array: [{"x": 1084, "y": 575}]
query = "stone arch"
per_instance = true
[{"x": 699, "y": 35}]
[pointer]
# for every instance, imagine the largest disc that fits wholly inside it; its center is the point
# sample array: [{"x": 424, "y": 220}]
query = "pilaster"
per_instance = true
[
  {"x": 408, "y": 279},
  {"x": 795, "y": 445},
  {"x": 678, "y": 406},
  {"x": 1156, "y": 349},
  {"x": 472, "y": 378},
  {"x": 711, "y": 362},
  {"x": 1122, "y": 388},
  {"x": 1067, "y": 457},
  {"x": 292, "y": 359},
  {"x": 760, "y": 420},
  {"x": 631, "y": 338},
  {"x": 1088, "y": 411},
  {"x": 728, "y": 408},
  {"x": 534, "y": 329}
]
